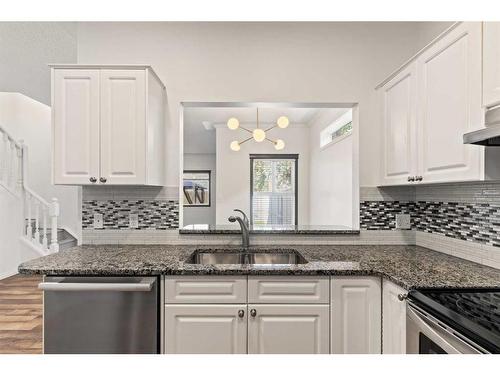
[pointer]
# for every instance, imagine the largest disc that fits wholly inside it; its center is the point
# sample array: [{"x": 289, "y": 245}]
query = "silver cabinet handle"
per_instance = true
[
  {"x": 103, "y": 179},
  {"x": 145, "y": 285},
  {"x": 241, "y": 313},
  {"x": 402, "y": 297},
  {"x": 93, "y": 180},
  {"x": 411, "y": 178},
  {"x": 253, "y": 313}
]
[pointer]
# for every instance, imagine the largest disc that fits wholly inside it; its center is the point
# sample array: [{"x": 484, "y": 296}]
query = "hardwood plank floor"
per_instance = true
[{"x": 20, "y": 315}]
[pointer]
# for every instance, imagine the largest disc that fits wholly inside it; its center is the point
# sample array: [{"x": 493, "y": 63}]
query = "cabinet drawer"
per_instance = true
[
  {"x": 278, "y": 289},
  {"x": 196, "y": 289}
]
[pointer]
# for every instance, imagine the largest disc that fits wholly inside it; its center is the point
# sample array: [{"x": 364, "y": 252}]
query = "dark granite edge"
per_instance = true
[
  {"x": 274, "y": 231},
  {"x": 236, "y": 272}
]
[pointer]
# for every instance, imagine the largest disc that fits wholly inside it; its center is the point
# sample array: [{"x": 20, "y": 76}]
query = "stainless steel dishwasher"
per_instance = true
[{"x": 109, "y": 315}]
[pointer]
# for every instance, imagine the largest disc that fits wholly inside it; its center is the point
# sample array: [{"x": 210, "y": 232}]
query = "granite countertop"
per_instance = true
[{"x": 407, "y": 266}]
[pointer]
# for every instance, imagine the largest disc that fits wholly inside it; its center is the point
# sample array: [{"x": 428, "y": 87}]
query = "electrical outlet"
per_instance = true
[
  {"x": 133, "y": 221},
  {"x": 98, "y": 221},
  {"x": 403, "y": 221}
]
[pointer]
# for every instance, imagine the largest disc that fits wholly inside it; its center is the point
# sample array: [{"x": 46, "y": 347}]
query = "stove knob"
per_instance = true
[{"x": 402, "y": 297}]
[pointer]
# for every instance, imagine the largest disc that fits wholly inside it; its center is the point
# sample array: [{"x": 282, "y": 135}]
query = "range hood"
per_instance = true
[{"x": 490, "y": 135}]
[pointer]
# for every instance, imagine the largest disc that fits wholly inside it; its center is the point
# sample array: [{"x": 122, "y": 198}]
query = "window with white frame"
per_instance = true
[{"x": 273, "y": 193}]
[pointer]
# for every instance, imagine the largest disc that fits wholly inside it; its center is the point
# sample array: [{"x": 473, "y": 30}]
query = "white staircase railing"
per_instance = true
[{"x": 14, "y": 178}]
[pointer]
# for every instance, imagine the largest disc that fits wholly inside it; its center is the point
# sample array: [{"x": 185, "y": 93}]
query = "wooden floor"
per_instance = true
[{"x": 20, "y": 315}]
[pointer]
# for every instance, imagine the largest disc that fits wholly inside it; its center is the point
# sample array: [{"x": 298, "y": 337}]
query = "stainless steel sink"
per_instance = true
[
  {"x": 213, "y": 257},
  {"x": 202, "y": 257}
]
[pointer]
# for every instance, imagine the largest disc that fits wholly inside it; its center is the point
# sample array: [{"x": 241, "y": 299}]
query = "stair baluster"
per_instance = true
[
  {"x": 54, "y": 214},
  {"x": 3, "y": 164},
  {"x": 36, "y": 237},
  {"x": 29, "y": 228},
  {"x": 44, "y": 235},
  {"x": 13, "y": 177},
  {"x": 19, "y": 186}
]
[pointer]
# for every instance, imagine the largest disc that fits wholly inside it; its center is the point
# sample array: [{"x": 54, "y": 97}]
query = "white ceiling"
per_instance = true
[{"x": 201, "y": 141}]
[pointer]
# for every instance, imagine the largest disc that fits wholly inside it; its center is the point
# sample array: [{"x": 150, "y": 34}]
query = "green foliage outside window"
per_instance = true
[{"x": 347, "y": 128}]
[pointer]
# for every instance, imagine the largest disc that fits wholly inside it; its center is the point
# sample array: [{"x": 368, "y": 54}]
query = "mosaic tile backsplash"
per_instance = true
[
  {"x": 477, "y": 222},
  {"x": 153, "y": 214},
  {"x": 470, "y": 213}
]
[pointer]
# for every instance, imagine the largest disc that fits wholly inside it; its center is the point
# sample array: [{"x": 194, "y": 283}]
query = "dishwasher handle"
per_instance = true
[{"x": 145, "y": 285}]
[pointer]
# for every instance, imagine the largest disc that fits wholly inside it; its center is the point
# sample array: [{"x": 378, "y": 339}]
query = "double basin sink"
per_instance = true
[{"x": 252, "y": 257}]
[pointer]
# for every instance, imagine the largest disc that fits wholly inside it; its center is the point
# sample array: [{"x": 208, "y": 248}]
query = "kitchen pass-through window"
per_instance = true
[{"x": 273, "y": 189}]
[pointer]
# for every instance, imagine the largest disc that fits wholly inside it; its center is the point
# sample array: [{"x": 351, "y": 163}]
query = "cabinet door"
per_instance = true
[
  {"x": 123, "y": 126},
  {"x": 356, "y": 315},
  {"x": 398, "y": 100},
  {"x": 75, "y": 116},
  {"x": 491, "y": 64},
  {"x": 288, "y": 329},
  {"x": 393, "y": 319},
  {"x": 205, "y": 329},
  {"x": 449, "y": 96}
]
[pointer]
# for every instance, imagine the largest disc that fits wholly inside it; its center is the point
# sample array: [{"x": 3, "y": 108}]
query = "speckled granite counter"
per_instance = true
[{"x": 408, "y": 266}]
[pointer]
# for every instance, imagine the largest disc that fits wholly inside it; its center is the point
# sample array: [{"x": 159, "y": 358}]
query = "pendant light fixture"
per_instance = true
[{"x": 258, "y": 134}]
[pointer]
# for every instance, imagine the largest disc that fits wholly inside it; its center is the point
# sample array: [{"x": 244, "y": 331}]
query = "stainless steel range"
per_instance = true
[{"x": 453, "y": 321}]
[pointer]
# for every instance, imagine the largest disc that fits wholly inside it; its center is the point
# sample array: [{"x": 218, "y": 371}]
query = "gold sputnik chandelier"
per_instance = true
[{"x": 258, "y": 134}]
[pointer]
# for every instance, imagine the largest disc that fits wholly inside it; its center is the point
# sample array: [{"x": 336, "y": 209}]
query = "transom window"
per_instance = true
[{"x": 338, "y": 130}]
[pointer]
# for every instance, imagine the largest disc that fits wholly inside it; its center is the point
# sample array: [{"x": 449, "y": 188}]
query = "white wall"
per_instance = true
[
  {"x": 11, "y": 228},
  {"x": 330, "y": 169},
  {"x": 233, "y": 169},
  {"x": 284, "y": 62},
  {"x": 201, "y": 215},
  {"x": 429, "y": 30},
  {"x": 30, "y": 120},
  {"x": 25, "y": 50}
]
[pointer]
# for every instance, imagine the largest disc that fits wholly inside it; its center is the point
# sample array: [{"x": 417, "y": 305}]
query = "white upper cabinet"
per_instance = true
[
  {"x": 75, "y": 95},
  {"x": 108, "y": 125},
  {"x": 123, "y": 126},
  {"x": 449, "y": 96},
  {"x": 491, "y": 64},
  {"x": 428, "y": 105},
  {"x": 398, "y": 98}
]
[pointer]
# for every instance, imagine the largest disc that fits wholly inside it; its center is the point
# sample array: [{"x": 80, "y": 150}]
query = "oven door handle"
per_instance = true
[
  {"x": 145, "y": 285},
  {"x": 431, "y": 330}
]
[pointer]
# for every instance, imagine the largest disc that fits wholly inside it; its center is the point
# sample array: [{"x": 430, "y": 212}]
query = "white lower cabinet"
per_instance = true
[
  {"x": 343, "y": 315},
  {"x": 356, "y": 315},
  {"x": 288, "y": 329},
  {"x": 393, "y": 319},
  {"x": 205, "y": 329}
]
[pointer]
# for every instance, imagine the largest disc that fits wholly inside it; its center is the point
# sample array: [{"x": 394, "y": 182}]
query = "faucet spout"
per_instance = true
[{"x": 245, "y": 231}]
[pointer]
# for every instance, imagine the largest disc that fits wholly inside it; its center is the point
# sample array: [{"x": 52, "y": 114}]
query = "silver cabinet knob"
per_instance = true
[
  {"x": 402, "y": 297},
  {"x": 103, "y": 179},
  {"x": 241, "y": 313},
  {"x": 253, "y": 313},
  {"x": 411, "y": 178},
  {"x": 93, "y": 180}
]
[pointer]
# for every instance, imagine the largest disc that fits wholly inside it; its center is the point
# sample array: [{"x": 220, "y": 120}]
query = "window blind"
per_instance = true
[{"x": 273, "y": 197}]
